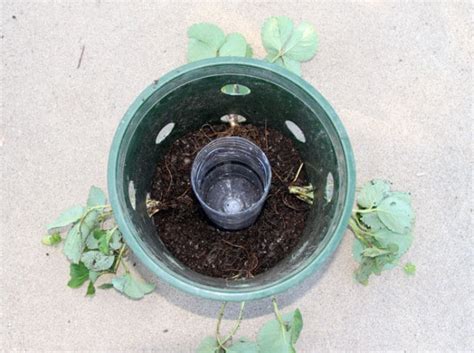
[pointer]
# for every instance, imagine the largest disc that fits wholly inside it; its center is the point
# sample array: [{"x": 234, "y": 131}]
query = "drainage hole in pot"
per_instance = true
[
  {"x": 295, "y": 130},
  {"x": 235, "y": 89},
  {"x": 164, "y": 132},
  {"x": 131, "y": 194},
  {"x": 329, "y": 189},
  {"x": 233, "y": 117}
]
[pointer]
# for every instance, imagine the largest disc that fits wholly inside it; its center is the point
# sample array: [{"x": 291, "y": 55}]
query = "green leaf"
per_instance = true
[
  {"x": 382, "y": 262},
  {"x": 96, "y": 197},
  {"x": 198, "y": 51},
  {"x": 106, "y": 286},
  {"x": 234, "y": 45},
  {"x": 96, "y": 261},
  {"x": 116, "y": 241},
  {"x": 386, "y": 237},
  {"x": 69, "y": 216},
  {"x": 93, "y": 275},
  {"x": 409, "y": 269},
  {"x": 287, "y": 46},
  {"x": 89, "y": 223},
  {"x": 104, "y": 245},
  {"x": 372, "y": 221},
  {"x": 366, "y": 268},
  {"x": 110, "y": 239},
  {"x": 73, "y": 245},
  {"x": 385, "y": 260},
  {"x": 52, "y": 239},
  {"x": 275, "y": 33},
  {"x": 92, "y": 241},
  {"x": 75, "y": 241},
  {"x": 403, "y": 196},
  {"x": 79, "y": 273},
  {"x": 205, "y": 39},
  {"x": 373, "y": 265},
  {"x": 272, "y": 339},
  {"x": 98, "y": 233},
  {"x": 302, "y": 44},
  {"x": 243, "y": 345},
  {"x": 373, "y": 193},
  {"x": 207, "y": 33},
  {"x": 208, "y": 345},
  {"x": 396, "y": 214},
  {"x": 275, "y": 338},
  {"x": 386, "y": 240},
  {"x": 90, "y": 289},
  {"x": 357, "y": 248},
  {"x": 249, "y": 51},
  {"x": 289, "y": 64},
  {"x": 374, "y": 252},
  {"x": 131, "y": 287},
  {"x": 296, "y": 324}
]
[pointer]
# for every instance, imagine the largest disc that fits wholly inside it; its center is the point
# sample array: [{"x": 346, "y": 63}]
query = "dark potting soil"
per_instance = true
[{"x": 195, "y": 241}]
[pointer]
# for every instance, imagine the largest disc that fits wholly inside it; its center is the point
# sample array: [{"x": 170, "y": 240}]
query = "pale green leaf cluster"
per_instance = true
[
  {"x": 207, "y": 40},
  {"x": 287, "y": 45},
  {"x": 278, "y": 335},
  {"x": 382, "y": 224},
  {"x": 93, "y": 248}
]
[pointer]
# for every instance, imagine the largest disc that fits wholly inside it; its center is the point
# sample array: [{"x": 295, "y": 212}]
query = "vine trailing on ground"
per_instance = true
[
  {"x": 382, "y": 221},
  {"x": 382, "y": 224},
  {"x": 278, "y": 335},
  {"x": 95, "y": 247}
]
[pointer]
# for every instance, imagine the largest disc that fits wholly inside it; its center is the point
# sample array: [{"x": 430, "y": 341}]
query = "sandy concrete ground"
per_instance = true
[{"x": 400, "y": 77}]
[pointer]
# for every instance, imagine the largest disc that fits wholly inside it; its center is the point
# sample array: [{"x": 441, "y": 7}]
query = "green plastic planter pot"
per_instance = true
[{"x": 203, "y": 92}]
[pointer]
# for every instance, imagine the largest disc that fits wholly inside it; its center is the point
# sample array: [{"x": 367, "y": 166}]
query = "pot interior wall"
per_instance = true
[{"x": 194, "y": 99}]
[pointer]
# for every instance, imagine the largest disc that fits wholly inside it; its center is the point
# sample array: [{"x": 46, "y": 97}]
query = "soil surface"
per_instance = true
[{"x": 195, "y": 241}]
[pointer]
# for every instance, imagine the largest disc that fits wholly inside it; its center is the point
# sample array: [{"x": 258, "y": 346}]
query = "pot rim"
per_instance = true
[{"x": 183, "y": 283}]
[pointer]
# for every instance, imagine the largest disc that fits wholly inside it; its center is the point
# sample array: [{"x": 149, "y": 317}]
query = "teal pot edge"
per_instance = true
[{"x": 212, "y": 292}]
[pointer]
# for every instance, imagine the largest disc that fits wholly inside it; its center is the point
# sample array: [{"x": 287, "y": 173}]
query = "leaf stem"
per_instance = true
[
  {"x": 369, "y": 210},
  {"x": 277, "y": 312},
  {"x": 237, "y": 325},
  {"x": 99, "y": 207},
  {"x": 119, "y": 259},
  {"x": 297, "y": 173},
  {"x": 219, "y": 319},
  {"x": 360, "y": 226},
  {"x": 356, "y": 230},
  {"x": 125, "y": 267},
  {"x": 89, "y": 210}
]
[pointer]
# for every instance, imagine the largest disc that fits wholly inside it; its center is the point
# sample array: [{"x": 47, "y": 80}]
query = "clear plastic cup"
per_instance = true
[{"x": 231, "y": 177}]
